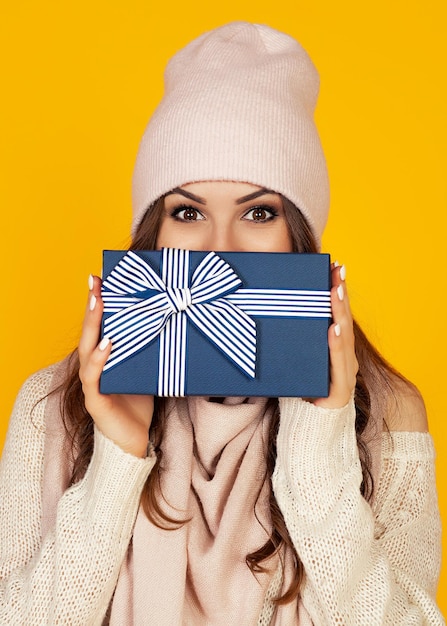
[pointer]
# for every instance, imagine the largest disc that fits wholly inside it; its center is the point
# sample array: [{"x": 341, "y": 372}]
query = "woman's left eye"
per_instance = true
[{"x": 261, "y": 214}]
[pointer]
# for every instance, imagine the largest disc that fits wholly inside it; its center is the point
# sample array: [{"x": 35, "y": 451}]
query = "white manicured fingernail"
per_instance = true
[
  {"x": 336, "y": 263},
  {"x": 92, "y": 302},
  {"x": 90, "y": 282},
  {"x": 340, "y": 292},
  {"x": 337, "y": 330},
  {"x": 104, "y": 343},
  {"x": 343, "y": 272}
]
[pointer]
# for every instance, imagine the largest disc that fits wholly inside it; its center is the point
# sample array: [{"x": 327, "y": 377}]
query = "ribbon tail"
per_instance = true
[
  {"x": 231, "y": 330},
  {"x": 172, "y": 357}
]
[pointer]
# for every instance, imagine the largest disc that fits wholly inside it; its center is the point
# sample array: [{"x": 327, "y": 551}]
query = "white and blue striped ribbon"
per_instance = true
[
  {"x": 282, "y": 302},
  {"x": 146, "y": 306}
]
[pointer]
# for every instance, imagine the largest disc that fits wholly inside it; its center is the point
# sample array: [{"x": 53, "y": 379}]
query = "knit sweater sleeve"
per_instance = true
[
  {"x": 362, "y": 566},
  {"x": 69, "y": 577}
]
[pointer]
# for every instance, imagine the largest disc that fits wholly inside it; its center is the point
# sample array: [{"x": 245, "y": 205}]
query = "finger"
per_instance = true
[
  {"x": 343, "y": 324},
  {"x": 94, "y": 284},
  {"x": 91, "y": 370},
  {"x": 92, "y": 319},
  {"x": 343, "y": 366},
  {"x": 343, "y": 362},
  {"x": 341, "y": 310},
  {"x": 338, "y": 273}
]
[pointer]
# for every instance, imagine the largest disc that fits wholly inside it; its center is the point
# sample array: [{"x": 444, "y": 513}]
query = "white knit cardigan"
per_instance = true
[{"x": 364, "y": 566}]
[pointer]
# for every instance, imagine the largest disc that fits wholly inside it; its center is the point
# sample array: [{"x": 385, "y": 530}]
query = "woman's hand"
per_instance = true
[
  {"x": 344, "y": 365},
  {"x": 125, "y": 419}
]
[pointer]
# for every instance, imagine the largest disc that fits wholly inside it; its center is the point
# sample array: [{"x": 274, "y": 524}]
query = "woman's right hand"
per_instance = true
[{"x": 125, "y": 419}]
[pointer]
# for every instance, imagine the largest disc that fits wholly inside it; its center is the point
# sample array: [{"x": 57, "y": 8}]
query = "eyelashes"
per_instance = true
[
  {"x": 186, "y": 213},
  {"x": 261, "y": 213}
]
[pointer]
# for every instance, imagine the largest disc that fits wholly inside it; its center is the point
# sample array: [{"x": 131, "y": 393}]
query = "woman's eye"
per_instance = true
[
  {"x": 261, "y": 214},
  {"x": 187, "y": 214}
]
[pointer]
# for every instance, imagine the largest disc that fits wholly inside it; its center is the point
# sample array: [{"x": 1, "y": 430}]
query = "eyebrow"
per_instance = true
[
  {"x": 200, "y": 200},
  {"x": 187, "y": 194},
  {"x": 255, "y": 194}
]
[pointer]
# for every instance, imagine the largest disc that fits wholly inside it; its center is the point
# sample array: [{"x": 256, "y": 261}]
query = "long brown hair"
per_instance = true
[{"x": 374, "y": 375}]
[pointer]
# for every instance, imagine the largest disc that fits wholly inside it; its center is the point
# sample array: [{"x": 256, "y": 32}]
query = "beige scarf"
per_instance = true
[{"x": 214, "y": 472}]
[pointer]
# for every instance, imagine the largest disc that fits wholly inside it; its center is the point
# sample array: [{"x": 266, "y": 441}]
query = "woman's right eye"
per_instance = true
[{"x": 187, "y": 214}]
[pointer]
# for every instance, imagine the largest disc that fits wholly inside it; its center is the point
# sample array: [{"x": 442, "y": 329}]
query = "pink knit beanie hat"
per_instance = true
[{"x": 238, "y": 105}]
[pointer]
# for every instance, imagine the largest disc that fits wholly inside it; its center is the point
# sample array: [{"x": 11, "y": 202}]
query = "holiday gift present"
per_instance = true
[{"x": 216, "y": 323}]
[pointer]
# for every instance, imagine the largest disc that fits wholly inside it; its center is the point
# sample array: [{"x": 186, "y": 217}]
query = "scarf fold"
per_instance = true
[{"x": 213, "y": 473}]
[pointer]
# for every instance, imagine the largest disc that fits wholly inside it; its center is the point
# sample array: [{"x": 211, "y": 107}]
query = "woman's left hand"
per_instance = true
[{"x": 344, "y": 365}]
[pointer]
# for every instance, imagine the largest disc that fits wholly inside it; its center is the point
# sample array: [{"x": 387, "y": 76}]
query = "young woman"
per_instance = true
[{"x": 138, "y": 510}]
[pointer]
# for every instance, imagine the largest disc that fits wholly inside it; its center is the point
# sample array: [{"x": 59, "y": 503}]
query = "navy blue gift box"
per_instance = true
[{"x": 216, "y": 324}]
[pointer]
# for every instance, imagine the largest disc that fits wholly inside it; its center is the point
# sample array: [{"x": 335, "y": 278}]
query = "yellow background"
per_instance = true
[{"x": 78, "y": 82}]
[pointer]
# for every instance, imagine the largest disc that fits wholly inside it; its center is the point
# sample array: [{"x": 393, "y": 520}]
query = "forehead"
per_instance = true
[{"x": 224, "y": 190}]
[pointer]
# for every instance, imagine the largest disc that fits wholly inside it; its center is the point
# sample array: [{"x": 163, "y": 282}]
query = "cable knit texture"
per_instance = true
[
  {"x": 69, "y": 577},
  {"x": 363, "y": 567}
]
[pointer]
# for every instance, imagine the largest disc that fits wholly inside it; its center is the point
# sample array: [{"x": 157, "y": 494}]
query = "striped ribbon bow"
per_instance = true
[{"x": 146, "y": 306}]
